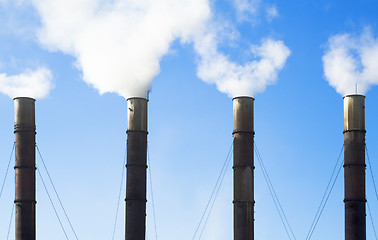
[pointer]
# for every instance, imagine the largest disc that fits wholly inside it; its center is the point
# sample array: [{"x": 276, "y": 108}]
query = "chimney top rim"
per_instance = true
[
  {"x": 354, "y": 95},
  {"x": 243, "y": 97},
  {"x": 141, "y": 98},
  {"x": 30, "y": 98}
]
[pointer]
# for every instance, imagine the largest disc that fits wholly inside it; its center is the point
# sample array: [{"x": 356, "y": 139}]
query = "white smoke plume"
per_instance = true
[
  {"x": 351, "y": 62},
  {"x": 240, "y": 80},
  {"x": 32, "y": 83},
  {"x": 118, "y": 44}
]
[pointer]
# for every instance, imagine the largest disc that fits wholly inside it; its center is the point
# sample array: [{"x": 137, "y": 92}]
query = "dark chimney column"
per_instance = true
[
  {"x": 354, "y": 167},
  {"x": 24, "y": 131},
  {"x": 243, "y": 169},
  {"x": 136, "y": 168}
]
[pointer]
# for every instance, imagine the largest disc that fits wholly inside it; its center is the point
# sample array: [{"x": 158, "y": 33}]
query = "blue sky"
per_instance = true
[{"x": 298, "y": 124}]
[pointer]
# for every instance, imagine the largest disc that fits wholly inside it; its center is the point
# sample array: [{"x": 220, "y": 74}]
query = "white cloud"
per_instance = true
[
  {"x": 31, "y": 83},
  {"x": 272, "y": 13},
  {"x": 351, "y": 62}
]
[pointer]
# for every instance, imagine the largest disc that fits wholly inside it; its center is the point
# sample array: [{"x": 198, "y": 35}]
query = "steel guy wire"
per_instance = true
[
  {"x": 324, "y": 195},
  {"x": 371, "y": 172},
  {"x": 6, "y": 172},
  {"x": 152, "y": 193},
  {"x": 329, "y": 193},
  {"x": 372, "y": 222},
  {"x": 212, "y": 194},
  {"x": 10, "y": 221},
  {"x": 375, "y": 189},
  {"x": 56, "y": 193},
  {"x": 274, "y": 195},
  {"x": 120, "y": 190},
  {"x": 216, "y": 194},
  {"x": 48, "y": 194}
]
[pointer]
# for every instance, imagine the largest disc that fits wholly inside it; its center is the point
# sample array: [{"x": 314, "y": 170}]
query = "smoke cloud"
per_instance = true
[
  {"x": 32, "y": 83},
  {"x": 240, "y": 80},
  {"x": 118, "y": 44},
  {"x": 351, "y": 62}
]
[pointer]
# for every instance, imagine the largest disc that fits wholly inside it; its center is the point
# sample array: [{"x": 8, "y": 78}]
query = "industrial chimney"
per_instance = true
[
  {"x": 24, "y": 131},
  {"x": 136, "y": 168},
  {"x": 354, "y": 167},
  {"x": 243, "y": 169}
]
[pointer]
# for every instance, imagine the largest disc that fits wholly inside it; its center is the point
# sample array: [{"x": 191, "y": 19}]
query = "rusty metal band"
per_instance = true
[
  {"x": 135, "y": 199},
  {"x": 355, "y": 164},
  {"x": 136, "y": 131},
  {"x": 354, "y": 200},
  {"x": 25, "y": 200},
  {"x": 355, "y": 130},
  {"x": 24, "y": 126},
  {"x": 30, "y": 167},
  {"x": 24, "y": 130},
  {"x": 242, "y": 166},
  {"x": 243, "y": 201},
  {"x": 136, "y": 165},
  {"x": 243, "y": 131}
]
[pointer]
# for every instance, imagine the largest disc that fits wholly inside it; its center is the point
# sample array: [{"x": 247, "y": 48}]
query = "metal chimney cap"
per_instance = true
[
  {"x": 354, "y": 95},
  {"x": 243, "y": 97},
  {"x": 354, "y": 112},
  {"x": 24, "y": 98}
]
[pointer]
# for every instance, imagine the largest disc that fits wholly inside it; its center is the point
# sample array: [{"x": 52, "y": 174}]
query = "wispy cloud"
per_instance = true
[
  {"x": 246, "y": 9},
  {"x": 18, "y": 18},
  {"x": 351, "y": 62},
  {"x": 271, "y": 13},
  {"x": 32, "y": 83}
]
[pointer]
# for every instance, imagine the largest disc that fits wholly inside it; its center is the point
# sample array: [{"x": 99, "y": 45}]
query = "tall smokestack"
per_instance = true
[
  {"x": 24, "y": 131},
  {"x": 243, "y": 169},
  {"x": 136, "y": 168},
  {"x": 354, "y": 167}
]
